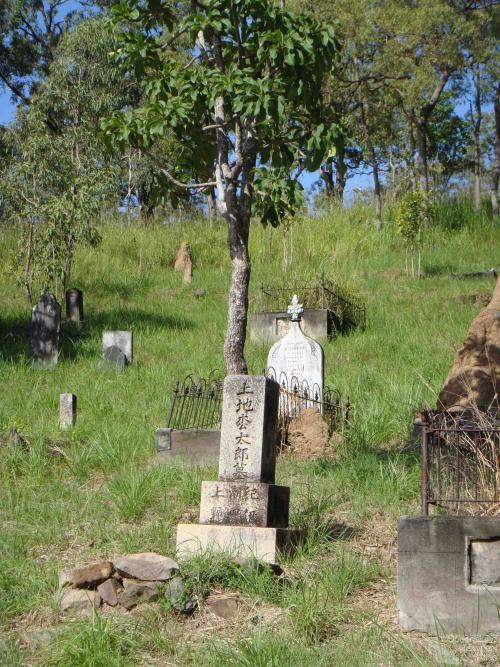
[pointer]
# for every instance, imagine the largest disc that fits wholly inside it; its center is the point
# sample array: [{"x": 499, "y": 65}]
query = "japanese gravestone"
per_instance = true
[
  {"x": 244, "y": 512},
  {"x": 45, "y": 328}
]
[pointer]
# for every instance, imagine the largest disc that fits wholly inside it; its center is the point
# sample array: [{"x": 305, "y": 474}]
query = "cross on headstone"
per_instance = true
[
  {"x": 297, "y": 360},
  {"x": 45, "y": 327}
]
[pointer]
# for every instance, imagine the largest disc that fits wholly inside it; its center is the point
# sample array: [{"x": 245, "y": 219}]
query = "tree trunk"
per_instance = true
[
  {"x": 496, "y": 169},
  {"x": 212, "y": 206},
  {"x": 341, "y": 170},
  {"x": 27, "y": 266},
  {"x": 371, "y": 150},
  {"x": 421, "y": 125},
  {"x": 326, "y": 174},
  {"x": 237, "y": 240},
  {"x": 476, "y": 133},
  {"x": 423, "y": 173}
]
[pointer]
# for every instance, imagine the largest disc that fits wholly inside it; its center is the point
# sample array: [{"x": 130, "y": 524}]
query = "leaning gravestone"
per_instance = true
[
  {"x": 244, "y": 512},
  {"x": 117, "y": 348},
  {"x": 74, "y": 305},
  {"x": 297, "y": 359},
  {"x": 45, "y": 328}
]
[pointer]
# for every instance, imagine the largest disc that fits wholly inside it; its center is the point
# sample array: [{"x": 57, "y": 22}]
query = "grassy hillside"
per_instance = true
[{"x": 95, "y": 492}]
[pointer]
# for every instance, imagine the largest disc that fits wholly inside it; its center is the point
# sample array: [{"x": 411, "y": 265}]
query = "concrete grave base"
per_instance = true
[
  {"x": 195, "y": 446},
  {"x": 269, "y": 327},
  {"x": 262, "y": 543},
  {"x": 449, "y": 574}
]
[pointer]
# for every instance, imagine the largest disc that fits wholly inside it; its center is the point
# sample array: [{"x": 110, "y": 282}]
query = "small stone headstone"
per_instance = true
[
  {"x": 117, "y": 347},
  {"x": 298, "y": 358},
  {"x": 45, "y": 328},
  {"x": 74, "y": 305},
  {"x": 67, "y": 410}
]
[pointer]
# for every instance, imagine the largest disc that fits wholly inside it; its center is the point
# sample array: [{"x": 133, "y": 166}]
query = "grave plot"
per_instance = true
[
  {"x": 192, "y": 433},
  {"x": 449, "y": 562},
  {"x": 328, "y": 311}
]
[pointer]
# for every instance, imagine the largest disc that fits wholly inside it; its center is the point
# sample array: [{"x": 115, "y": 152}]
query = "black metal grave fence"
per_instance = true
[
  {"x": 461, "y": 462},
  {"x": 347, "y": 313},
  {"x": 297, "y": 395},
  {"x": 197, "y": 404}
]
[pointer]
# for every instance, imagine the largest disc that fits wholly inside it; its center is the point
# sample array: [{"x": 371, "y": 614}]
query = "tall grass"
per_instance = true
[{"x": 93, "y": 492}]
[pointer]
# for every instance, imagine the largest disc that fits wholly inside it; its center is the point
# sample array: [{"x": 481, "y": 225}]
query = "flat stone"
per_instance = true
[
  {"x": 179, "y": 596},
  {"x": 244, "y": 503},
  {"x": 485, "y": 562},
  {"x": 90, "y": 576},
  {"x": 108, "y": 591},
  {"x": 65, "y": 578},
  {"x": 248, "y": 541},
  {"x": 147, "y": 567},
  {"x": 136, "y": 592},
  {"x": 226, "y": 607},
  {"x": 78, "y": 601},
  {"x": 248, "y": 429}
]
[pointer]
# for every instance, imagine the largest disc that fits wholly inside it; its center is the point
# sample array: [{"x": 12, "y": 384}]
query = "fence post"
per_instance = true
[
  {"x": 425, "y": 464},
  {"x": 172, "y": 403}
]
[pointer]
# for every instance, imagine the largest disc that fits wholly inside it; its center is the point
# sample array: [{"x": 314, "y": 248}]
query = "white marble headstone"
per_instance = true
[{"x": 298, "y": 357}]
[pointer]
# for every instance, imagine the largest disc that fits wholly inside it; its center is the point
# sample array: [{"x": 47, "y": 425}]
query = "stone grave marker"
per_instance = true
[
  {"x": 244, "y": 512},
  {"x": 45, "y": 328},
  {"x": 298, "y": 357},
  {"x": 117, "y": 347},
  {"x": 74, "y": 305},
  {"x": 67, "y": 410}
]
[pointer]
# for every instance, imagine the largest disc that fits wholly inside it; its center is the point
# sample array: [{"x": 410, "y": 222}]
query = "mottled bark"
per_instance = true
[
  {"x": 496, "y": 169},
  {"x": 371, "y": 151},
  {"x": 340, "y": 164},
  {"x": 476, "y": 133},
  {"x": 212, "y": 206}
]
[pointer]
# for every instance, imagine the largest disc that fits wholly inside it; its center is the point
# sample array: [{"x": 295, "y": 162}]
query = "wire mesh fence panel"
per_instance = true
[
  {"x": 347, "y": 313},
  {"x": 461, "y": 462}
]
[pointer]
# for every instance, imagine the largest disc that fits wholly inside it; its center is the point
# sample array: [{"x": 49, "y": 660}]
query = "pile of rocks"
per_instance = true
[{"x": 126, "y": 582}]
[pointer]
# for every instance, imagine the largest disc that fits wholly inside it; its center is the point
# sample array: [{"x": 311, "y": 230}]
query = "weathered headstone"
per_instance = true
[
  {"x": 117, "y": 347},
  {"x": 67, "y": 410},
  {"x": 74, "y": 305},
  {"x": 45, "y": 328},
  {"x": 244, "y": 512},
  {"x": 298, "y": 358}
]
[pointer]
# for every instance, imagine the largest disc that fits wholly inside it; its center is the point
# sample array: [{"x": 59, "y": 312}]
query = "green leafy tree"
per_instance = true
[
  {"x": 413, "y": 213},
  {"x": 244, "y": 95},
  {"x": 57, "y": 180}
]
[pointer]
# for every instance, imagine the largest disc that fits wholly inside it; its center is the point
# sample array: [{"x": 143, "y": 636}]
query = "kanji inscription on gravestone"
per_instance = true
[{"x": 248, "y": 434}]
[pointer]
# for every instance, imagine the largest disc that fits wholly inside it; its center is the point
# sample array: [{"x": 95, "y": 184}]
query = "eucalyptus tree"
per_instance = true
[
  {"x": 58, "y": 177},
  {"x": 245, "y": 95}
]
